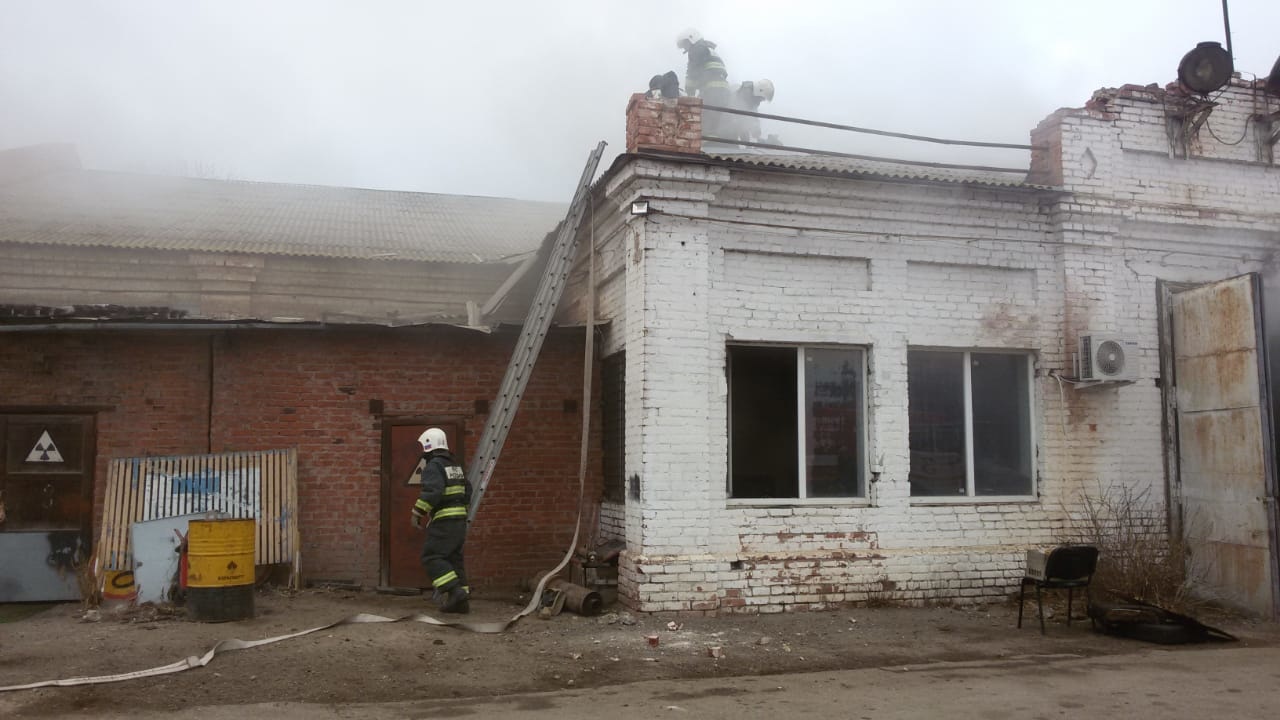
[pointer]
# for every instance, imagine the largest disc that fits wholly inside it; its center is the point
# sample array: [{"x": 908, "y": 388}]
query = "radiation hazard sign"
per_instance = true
[{"x": 44, "y": 451}]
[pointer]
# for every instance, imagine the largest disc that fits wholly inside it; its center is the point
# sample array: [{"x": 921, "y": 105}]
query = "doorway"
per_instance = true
[
  {"x": 46, "y": 486},
  {"x": 1222, "y": 470},
  {"x": 401, "y": 542}
]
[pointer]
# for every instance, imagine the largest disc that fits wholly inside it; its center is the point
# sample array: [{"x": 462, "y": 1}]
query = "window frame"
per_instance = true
[
  {"x": 864, "y": 438},
  {"x": 1033, "y": 439}
]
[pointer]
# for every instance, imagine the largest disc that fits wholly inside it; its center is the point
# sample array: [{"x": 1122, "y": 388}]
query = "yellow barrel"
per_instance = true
[{"x": 220, "y": 570}]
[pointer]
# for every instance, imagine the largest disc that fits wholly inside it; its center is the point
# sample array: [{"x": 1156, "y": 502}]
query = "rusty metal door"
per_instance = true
[
  {"x": 46, "y": 485},
  {"x": 402, "y": 544},
  {"x": 1225, "y": 441}
]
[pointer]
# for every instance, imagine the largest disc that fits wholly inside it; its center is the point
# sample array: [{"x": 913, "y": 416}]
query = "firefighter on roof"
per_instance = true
[
  {"x": 748, "y": 96},
  {"x": 706, "y": 76},
  {"x": 445, "y": 497}
]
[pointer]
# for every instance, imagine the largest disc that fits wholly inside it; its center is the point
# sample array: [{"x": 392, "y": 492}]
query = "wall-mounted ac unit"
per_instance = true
[{"x": 1107, "y": 357}]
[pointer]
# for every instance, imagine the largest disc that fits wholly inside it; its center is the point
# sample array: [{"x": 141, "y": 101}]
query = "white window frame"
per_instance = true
[
  {"x": 801, "y": 418},
  {"x": 970, "y": 486}
]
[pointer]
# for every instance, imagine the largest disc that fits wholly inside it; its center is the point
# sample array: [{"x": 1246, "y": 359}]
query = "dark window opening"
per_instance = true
[
  {"x": 935, "y": 400},
  {"x": 1001, "y": 425},
  {"x": 769, "y": 419},
  {"x": 970, "y": 423},
  {"x": 613, "y": 425},
  {"x": 833, "y": 436}
]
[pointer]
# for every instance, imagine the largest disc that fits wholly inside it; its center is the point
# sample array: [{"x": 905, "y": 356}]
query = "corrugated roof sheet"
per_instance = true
[
  {"x": 108, "y": 209},
  {"x": 880, "y": 169}
]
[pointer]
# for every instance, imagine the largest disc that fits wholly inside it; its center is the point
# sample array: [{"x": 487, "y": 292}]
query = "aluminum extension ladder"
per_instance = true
[{"x": 536, "y": 325}]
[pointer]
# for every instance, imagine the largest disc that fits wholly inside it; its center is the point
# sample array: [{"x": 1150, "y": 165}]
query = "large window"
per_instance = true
[
  {"x": 796, "y": 425},
  {"x": 970, "y": 423}
]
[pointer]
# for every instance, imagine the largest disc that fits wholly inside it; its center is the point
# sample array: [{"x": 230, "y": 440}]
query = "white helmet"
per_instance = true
[
  {"x": 763, "y": 89},
  {"x": 689, "y": 36},
  {"x": 433, "y": 439}
]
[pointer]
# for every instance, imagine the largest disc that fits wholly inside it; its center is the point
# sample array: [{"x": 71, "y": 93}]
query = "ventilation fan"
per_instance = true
[{"x": 1107, "y": 357}]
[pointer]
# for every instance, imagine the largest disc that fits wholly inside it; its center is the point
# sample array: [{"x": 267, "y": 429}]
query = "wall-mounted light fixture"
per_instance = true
[
  {"x": 1207, "y": 68},
  {"x": 640, "y": 207}
]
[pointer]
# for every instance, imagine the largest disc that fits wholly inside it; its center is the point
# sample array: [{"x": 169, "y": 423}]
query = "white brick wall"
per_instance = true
[
  {"x": 746, "y": 255},
  {"x": 613, "y": 521}
]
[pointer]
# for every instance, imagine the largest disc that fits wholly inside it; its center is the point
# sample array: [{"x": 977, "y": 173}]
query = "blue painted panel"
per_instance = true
[{"x": 38, "y": 566}]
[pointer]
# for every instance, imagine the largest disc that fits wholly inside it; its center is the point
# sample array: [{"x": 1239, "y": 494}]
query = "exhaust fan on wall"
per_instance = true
[{"x": 1106, "y": 357}]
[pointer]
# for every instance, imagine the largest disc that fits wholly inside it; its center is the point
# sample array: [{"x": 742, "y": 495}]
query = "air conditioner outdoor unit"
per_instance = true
[{"x": 1107, "y": 356}]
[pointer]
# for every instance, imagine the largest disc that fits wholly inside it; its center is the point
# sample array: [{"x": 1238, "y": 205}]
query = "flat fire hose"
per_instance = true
[
  {"x": 535, "y": 601},
  {"x": 196, "y": 661}
]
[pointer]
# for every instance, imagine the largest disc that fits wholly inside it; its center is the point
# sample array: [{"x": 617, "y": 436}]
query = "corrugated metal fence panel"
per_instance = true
[{"x": 262, "y": 485}]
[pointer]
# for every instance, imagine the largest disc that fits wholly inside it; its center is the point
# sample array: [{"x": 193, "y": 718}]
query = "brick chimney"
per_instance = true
[{"x": 673, "y": 126}]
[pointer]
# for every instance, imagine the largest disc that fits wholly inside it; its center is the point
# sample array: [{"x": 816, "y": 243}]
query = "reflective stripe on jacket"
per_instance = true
[
  {"x": 446, "y": 492},
  {"x": 706, "y": 69}
]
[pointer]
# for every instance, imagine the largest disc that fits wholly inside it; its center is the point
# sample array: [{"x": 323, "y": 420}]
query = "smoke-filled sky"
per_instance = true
[{"x": 508, "y": 98}]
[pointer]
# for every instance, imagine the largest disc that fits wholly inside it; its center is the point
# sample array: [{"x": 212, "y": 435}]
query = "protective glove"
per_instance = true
[{"x": 416, "y": 520}]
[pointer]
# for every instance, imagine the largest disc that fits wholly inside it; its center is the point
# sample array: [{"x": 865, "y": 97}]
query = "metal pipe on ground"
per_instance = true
[
  {"x": 577, "y": 598},
  {"x": 581, "y": 600}
]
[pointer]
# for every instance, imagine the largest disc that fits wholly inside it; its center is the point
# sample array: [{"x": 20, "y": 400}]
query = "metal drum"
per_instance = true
[{"x": 220, "y": 570}]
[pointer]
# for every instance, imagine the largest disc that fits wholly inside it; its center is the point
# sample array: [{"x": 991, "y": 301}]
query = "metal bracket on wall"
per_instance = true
[
  {"x": 1183, "y": 124},
  {"x": 1267, "y": 134}
]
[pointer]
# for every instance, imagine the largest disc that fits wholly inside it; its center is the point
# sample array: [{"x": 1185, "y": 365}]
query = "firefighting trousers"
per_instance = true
[{"x": 442, "y": 553}]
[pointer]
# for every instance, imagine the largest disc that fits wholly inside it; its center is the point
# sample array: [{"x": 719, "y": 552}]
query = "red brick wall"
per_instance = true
[
  {"x": 666, "y": 125},
  {"x": 153, "y": 388},
  {"x": 311, "y": 389}
]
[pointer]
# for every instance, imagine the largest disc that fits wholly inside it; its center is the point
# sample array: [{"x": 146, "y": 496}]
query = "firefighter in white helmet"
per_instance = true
[
  {"x": 705, "y": 76},
  {"x": 445, "y": 497},
  {"x": 748, "y": 96}
]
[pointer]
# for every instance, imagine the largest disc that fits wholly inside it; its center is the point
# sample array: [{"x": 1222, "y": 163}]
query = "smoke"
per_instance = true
[{"x": 507, "y": 98}]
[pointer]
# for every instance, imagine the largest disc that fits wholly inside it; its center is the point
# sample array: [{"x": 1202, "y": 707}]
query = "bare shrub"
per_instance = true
[
  {"x": 1138, "y": 558},
  {"x": 89, "y": 581}
]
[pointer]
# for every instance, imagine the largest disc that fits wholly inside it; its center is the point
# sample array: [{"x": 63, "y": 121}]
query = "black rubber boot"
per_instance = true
[{"x": 457, "y": 601}]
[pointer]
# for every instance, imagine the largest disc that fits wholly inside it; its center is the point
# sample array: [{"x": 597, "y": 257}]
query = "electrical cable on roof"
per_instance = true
[
  {"x": 954, "y": 241},
  {"x": 1245, "y": 133}
]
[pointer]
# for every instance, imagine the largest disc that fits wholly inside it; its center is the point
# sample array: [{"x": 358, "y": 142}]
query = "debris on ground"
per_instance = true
[
  {"x": 1132, "y": 618},
  {"x": 315, "y": 668}
]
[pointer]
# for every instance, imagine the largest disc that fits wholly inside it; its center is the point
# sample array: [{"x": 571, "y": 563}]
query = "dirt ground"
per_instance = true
[{"x": 411, "y": 660}]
